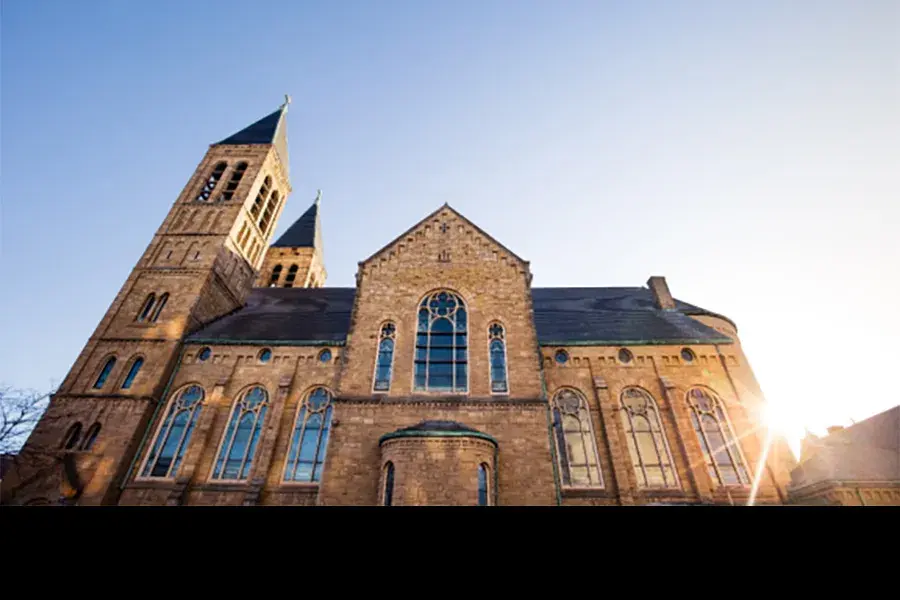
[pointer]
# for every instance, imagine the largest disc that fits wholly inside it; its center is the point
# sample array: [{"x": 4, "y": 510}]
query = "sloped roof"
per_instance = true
[
  {"x": 866, "y": 451},
  {"x": 598, "y": 316},
  {"x": 304, "y": 233},
  {"x": 271, "y": 129}
]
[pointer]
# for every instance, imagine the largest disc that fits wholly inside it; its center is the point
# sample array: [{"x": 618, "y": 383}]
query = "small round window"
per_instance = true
[
  {"x": 265, "y": 355},
  {"x": 625, "y": 356},
  {"x": 325, "y": 355},
  {"x": 204, "y": 354},
  {"x": 687, "y": 355},
  {"x": 562, "y": 357}
]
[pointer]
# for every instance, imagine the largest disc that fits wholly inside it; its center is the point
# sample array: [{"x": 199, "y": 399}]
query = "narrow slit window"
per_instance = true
[
  {"x": 104, "y": 373},
  {"x": 147, "y": 307},
  {"x": 235, "y": 456},
  {"x": 389, "y": 484},
  {"x": 497, "y": 349},
  {"x": 132, "y": 373},
  {"x": 159, "y": 307},
  {"x": 261, "y": 197},
  {"x": 174, "y": 433},
  {"x": 385, "y": 359},
  {"x": 71, "y": 438},
  {"x": 211, "y": 182},
  {"x": 269, "y": 212},
  {"x": 234, "y": 182},
  {"x": 309, "y": 441},
  {"x": 441, "y": 359},
  {"x": 91, "y": 436},
  {"x": 483, "y": 486}
]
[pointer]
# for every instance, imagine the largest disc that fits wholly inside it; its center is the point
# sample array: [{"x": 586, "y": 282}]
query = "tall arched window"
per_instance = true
[
  {"x": 104, "y": 373},
  {"x": 147, "y": 307},
  {"x": 90, "y": 436},
  {"x": 309, "y": 441},
  {"x": 160, "y": 304},
  {"x": 388, "y": 484},
  {"x": 174, "y": 433},
  {"x": 71, "y": 438},
  {"x": 575, "y": 442},
  {"x": 234, "y": 182},
  {"x": 276, "y": 275},
  {"x": 291, "y": 276},
  {"x": 235, "y": 456},
  {"x": 211, "y": 182},
  {"x": 647, "y": 444},
  {"x": 132, "y": 372},
  {"x": 261, "y": 197},
  {"x": 497, "y": 349},
  {"x": 441, "y": 362},
  {"x": 385, "y": 357},
  {"x": 724, "y": 459},
  {"x": 483, "y": 486},
  {"x": 269, "y": 212}
]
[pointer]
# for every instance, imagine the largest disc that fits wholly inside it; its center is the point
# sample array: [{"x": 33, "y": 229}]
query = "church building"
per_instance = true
[{"x": 227, "y": 372}]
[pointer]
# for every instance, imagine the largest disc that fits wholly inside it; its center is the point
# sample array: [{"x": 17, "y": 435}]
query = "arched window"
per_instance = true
[
  {"x": 159, "y": 306},
  {"x": 233, "y": 183},
  {"x": 724, "y": 459},
  {"x": 269, "y": 212},
  {"x": 385, "y": 357},
  {"x": 174, "y": 433},
  {"x": 483, "y": 486},
  {"x": 389, "y": 484},
  {"x": 71, "y": 438},
  {"x": 91, "y": 436},
  {"x": 104, "y": 374},
  {"x": 309, "y": 441},
  {"x": 132, "y": 373},
  {"x": 497, "y": 346},
  {"x": 261, "y": 197},
  {"x": 147, "y": 307},
  {"x": 291, "y": 276},
  {"x": 441, "y": 362},
  {"x": 235, "y": 456},
  {"x": 210, "y": 184},
  {"x": 647, "y": 444},
  {"x": 575, "y": 442},
  {"x": 276, "y": 275}
]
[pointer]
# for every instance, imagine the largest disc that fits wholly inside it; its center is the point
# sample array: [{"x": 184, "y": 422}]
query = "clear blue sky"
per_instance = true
[{"x": 748, "y": 151}]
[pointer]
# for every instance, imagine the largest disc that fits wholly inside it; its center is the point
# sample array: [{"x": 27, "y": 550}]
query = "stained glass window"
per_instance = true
[
  {"x": 385, "y": 360},
  {"x": 575, "y": 442},
  {"x": 441, "y": 361},
  {"x": 647, "y": 444},
  {"x": 235, "y": 456},
  {"x": 309, "y": 441},
  {"x": 389, "y": 484},
  {"x": 724, "y": 459},
  {"x": 174, "y": 433},
  {"x": 497, "y": 350},
  {"x": 483, "y": 499}
]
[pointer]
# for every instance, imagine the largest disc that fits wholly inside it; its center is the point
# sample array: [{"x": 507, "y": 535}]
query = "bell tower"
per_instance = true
[
  {"x": 296, "y": 259},
  {"x": 200, "y": 265}
]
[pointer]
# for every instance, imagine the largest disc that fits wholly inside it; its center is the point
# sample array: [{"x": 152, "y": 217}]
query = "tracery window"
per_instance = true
[
  {"x": 647, "y": 444},
  {"x": 211, "y": 182},
  {"x": 309, "y": 441},
  {"x": 441, "y": 362},
  {"x": 497, "y": 349},
  {"x": 385, "y": 360},
  {"x": 174, "y": 433},
  {"x": 235, "y": 456},
  {"x": 724, "y": 459},
  {"x": 576, "y": 445}
]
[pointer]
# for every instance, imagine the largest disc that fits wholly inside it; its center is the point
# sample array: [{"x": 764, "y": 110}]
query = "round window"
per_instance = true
[
  {"x": 625, "y": 356},
  {"x": 562, "y": 357},
  {"x": 687, "y": 355},
  {"x": 204, "y": 354},
  {"x": 325, "y": 356},
  {"x": 265, "y": 355}
]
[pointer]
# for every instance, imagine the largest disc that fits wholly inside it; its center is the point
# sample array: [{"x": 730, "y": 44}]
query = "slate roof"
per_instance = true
[
  {"x": 298, "y": 316},
  {"x": 590, "y": 316},
  {"x": 271, "y": 129},
  {"x": 866, "y": 451},
  {"x": 438, "y": 425},
  {"x": 304, "y": 232}
]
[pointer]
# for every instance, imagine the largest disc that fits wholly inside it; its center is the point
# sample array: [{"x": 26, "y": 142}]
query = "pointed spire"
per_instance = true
[
  {"x": 306, "y": 232},
  {"x": 318, "y": 196},
  {"x": 271, "y": 129}
]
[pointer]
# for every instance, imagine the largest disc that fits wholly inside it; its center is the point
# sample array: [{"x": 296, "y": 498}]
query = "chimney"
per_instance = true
[{"x": 661, "y": 294}]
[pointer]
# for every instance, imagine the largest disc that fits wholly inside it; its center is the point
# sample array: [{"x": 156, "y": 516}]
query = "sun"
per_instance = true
[{"x": 785, "y": 422}]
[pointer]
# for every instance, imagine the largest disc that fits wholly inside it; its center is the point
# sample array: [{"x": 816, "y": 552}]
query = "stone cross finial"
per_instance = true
[
  {"x": 318, "y": 196},
  {"x": 287, "y": 99}
]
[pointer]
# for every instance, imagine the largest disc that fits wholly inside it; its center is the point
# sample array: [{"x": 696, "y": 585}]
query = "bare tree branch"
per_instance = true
[{"x": 20, "y": 411}]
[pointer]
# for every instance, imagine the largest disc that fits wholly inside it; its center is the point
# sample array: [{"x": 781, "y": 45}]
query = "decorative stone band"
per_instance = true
[{"x": 436, "y": 434}]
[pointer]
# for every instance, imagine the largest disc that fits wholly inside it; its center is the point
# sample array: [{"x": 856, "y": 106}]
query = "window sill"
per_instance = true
[{"x": 586, "y": 492}]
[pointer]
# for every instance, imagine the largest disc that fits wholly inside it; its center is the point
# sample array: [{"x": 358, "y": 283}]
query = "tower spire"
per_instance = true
[{"x": 318, "y": 197}]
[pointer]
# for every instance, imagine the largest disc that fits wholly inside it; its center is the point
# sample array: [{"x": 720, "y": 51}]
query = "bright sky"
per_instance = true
[{"x": 748, "y": 151}]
